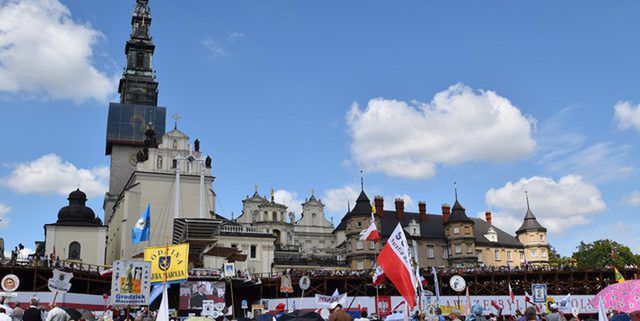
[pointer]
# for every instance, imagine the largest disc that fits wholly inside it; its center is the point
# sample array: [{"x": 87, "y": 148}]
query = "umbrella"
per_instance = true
[
  {"x": 300, "y": 316},
  {"x": 73, "y": 313},
  {"x": 622, "y": 297},
  {"x": 264, "y": 317},
  {"x": 87, "y": 315}
]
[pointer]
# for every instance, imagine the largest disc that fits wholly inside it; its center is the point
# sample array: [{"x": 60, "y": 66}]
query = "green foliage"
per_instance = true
[
  {"x": 555, "y": 259},
  {"x": 598, "y": 254}
]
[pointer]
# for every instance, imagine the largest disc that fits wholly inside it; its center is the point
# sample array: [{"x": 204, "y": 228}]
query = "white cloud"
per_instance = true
[
  {"x": 504, "y": 221},
  {"x": 50, "y": 174},
  {"x": 212, "y": 48},
  {"x": 632, "y": 198},
  {"x": 234, "y": 35},
  {"x": 409, "y": 204},
  {"x": 4, "y": 211},
  {"x": 290, "y": 199},
  {"x": 558, "y": 205},
  {"x": 459, "y": 125},
  {"x": 627, "y": 115},
  {"x": 43, "y": 52},
  {"x": 336, "y": 199}
]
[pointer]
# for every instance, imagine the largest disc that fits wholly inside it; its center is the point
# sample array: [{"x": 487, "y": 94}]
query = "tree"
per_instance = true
[
  {"x": 602, "y": 253},
  {"x": 555, "y": 259}
]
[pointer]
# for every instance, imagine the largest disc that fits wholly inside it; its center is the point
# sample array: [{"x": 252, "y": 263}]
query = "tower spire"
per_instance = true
[
  {"x": 361, "y": 180},
  {"x": 455, "y": 189},
  {"x": 526, "y": 195},
  {"x": 138, "y": 85}
]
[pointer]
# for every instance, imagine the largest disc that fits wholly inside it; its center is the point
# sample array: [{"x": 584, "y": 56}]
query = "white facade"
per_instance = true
[
  {"x": 154, "y": 183},
  {"x": 91, "y": 240}
]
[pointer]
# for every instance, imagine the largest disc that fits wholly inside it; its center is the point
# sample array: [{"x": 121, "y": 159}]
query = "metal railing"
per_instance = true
[{"x": 243, "y": 229}]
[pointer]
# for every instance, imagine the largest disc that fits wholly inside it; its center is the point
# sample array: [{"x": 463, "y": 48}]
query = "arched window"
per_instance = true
[
  {"x": 139, "y": 60},
  {"x": 74, "y": 251},
  {"x": 314, "y": 219},
  {"x": 274, "y": 216},
  {"x": 159, "y": 164},
  {"x": 175, "y": 144}
]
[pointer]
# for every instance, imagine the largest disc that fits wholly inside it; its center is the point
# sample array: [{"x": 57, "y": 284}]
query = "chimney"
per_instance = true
[
  {"x": 487, "y": 215},
  {"x": 422, "y": 207},
  {"x": 399, "y": 208},
  {"x": 446, "y": 212},
  {"x": 379, "y": 204}
]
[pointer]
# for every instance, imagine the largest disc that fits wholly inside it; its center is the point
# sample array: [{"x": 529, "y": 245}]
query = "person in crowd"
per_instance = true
[
  {"x": 477, "y": 313},
  {"x": 18, "y": 312},
  {"x": 3, "y": 314},
  {"x": 555, "y": 315},
  {"x": 455, "y": 315},
  {"x": 57, "y": 314},
  {"x": 530, "y": 314},
  {"x": 33, "y": 313},
  {"x": 4, "y": 302},
  {"x": 337, "y": 314},
  {"x": 363, "y": 316},
  {"x": 439, "y": 314}
]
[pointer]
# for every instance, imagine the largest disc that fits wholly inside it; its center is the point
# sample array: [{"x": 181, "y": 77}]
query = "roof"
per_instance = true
[
  {"x": 362, "y": 208},
  {"x": 458, "y": 214},
  {"x": 481, "y": 227},
  {"x": 530, "y": 223}
]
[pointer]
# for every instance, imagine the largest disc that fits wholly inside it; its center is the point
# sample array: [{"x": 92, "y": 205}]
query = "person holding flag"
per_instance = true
[{"x": 141, "y": 230}]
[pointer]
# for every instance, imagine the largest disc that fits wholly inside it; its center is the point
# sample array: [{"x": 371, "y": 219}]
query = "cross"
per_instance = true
[{"x": 176, "y": 117}]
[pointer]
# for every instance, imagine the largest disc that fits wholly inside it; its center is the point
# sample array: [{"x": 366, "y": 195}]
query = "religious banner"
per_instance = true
[
  {"x": 60, "y": 281},
  {"x": 131, "y": 283},
  {"x": 383, "y": 306},
  {"x": 172, "y": 261},
  {"x": 193, "y": 294},
  {"x": 285, "y": 284}
]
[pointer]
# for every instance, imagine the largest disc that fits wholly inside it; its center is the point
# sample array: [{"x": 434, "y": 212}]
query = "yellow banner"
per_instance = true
[
  {"x": 172, "y": 261},
  {"x": 446, "y": 309}
]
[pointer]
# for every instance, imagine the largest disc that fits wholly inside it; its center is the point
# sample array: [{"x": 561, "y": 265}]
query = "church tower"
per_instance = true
[
  {"x": 534, "y": 238},
  {"x": 129, "y": 118},
  {"x": 458, "y": 230}
]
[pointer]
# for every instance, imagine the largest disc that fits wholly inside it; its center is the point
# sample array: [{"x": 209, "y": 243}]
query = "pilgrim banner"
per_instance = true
[
  {"x": 383, "y": 305},
  {"x": 172, "y": 260},
  {"x": 193, "y": 294},
  {"x": 130, "y": 283}
]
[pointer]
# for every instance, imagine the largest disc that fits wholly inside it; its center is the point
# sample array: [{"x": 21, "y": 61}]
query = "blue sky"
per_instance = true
[{"x": 297, "y": 96}]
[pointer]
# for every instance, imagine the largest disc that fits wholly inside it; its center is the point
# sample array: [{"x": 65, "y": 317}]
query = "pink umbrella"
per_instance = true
[{"x": 623, "y": 297}]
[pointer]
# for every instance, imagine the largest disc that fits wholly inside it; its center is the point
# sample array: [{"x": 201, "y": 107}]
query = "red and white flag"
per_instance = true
[
  {"x": 395, "y": 260},
  {"x": 527, "y": 298},
  {"x": 107, "y": 272},
  {"x": 371, "y": 233},
  {"x": 379, "y": 277},
  {"x": 511, "y": 295}
]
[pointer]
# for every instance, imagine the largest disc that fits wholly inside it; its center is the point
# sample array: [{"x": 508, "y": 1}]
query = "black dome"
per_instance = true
[{"x": 76, "y": 213}]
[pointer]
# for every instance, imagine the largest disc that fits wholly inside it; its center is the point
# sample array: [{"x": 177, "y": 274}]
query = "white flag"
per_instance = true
[
  {"x": 602, "y": 312},
  {"x": 163, "y": 311},
  {"x": 435, "y": 283}
]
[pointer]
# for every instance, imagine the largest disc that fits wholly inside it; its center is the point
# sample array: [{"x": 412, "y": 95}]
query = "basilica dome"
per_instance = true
[{"x": 77, "y": 213}]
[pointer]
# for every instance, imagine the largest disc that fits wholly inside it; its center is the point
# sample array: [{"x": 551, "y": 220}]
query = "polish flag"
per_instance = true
[
  {"x": 395, "y": 260},
  {"x": 371, "y": 233},
  {"x": 527, "y": 298},
  {"x": 511, "y": 295},
  {"x": 379, "y": 277}
]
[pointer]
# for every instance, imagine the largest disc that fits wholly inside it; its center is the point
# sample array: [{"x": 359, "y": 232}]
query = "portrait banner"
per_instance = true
[
  {"x": 131, "y": 283},
  {"x": 195, "y": 295},
  {"x": 172, "y": 260}
]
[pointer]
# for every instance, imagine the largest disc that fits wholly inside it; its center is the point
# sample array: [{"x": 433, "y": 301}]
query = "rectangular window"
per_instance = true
[
  {"x": 430, "y": 252},
  {"x": 458, "y": 249},
  {"x": 522, "y": 257},
  {"x": 254, "y": 251},
  {"x": 479, "y": 256},
  {"x": 509, "y": 256},
  {"x": 159, "y": 162},
  {"x": 358, "y": 224},
  {"x": 174, "y": 164},
  {"x": 541, "y": 237},
  {"x": 360, "y": 265},
  {"x": 445, "y": 252},
  {"x": 359, "y": 245},
  {"x": 544, "y": 253},
  {"x": 534, "y": 253},
  {"x": 469, "y": 248},
  {"x": 456, "y": 230},
  {"x": 372, "y": 245},
  {"x": 497, "y": 255}
]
